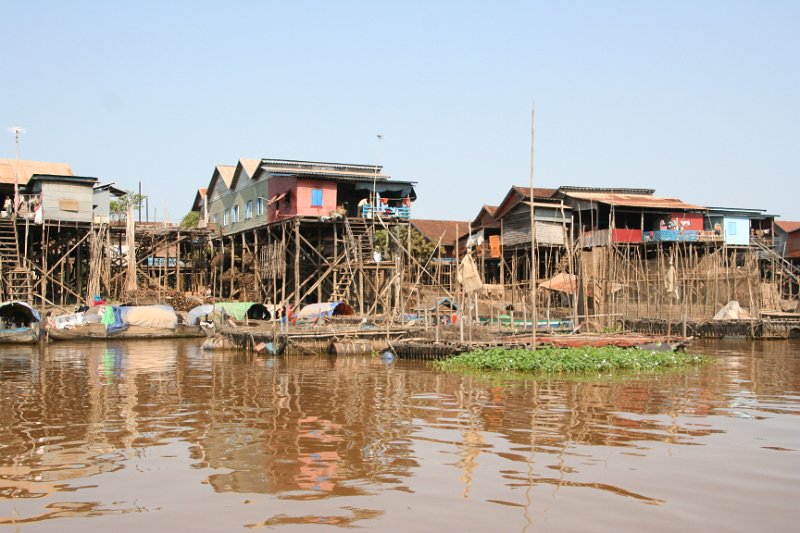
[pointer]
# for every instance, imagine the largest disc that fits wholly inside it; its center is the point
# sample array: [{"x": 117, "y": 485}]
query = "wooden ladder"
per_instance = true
[
  {"x": 356, "y": 245},
  {"x": 20, "y": 284}
]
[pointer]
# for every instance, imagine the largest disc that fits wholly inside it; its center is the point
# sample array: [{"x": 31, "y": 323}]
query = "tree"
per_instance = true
[
  {"x": 421, "y": 247},
  {"x": 191, "y": 220},
  {"x": 119, "y": 207}
]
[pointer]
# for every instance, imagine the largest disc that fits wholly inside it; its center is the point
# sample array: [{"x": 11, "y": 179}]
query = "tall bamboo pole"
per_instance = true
[{"x": 533, "y": 235}]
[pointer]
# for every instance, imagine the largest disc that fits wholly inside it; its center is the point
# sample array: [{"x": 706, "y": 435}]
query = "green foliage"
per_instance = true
[
  {"x": 421, "y": 248},
  {"x": 191, "y": 220},
  {"x": 381, "y": 240},
  {"x": 571, "y": 360},
  {"x": 119, "y": 207}
]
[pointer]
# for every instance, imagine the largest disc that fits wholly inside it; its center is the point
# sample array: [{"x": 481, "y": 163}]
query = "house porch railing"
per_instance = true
[{"x": 385, "y": 211}]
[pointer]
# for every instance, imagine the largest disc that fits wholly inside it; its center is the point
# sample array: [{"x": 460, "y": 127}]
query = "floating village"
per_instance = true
[{"x": 285, "y": 256}]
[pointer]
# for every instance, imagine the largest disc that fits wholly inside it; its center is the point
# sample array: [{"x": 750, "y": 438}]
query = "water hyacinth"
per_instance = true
[{"x": 574, "y": 360}]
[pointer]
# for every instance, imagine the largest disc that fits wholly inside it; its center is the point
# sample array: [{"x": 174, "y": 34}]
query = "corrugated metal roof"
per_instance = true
[
  {"x": 615, "y": 190},
  {"x": 539, "y": 192},
  {"x": 448, "y": 230},
  {"x": 351, "y": 167},
  {"x": 25, "y": 169},
  {"x": 329, "y": 172},
  {"x": 635, "y": 200},
  {"x": 788, "y": 225}
]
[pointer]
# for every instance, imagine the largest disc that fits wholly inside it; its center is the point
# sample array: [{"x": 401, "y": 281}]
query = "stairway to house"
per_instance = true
[
  {"x": 357, "y": 249},
  {"x": 17, "y": 280},
  {"x": 9, "y": 251},
  {"x": 358, "y": 238},
  {"x": 790, "y": 270},
  {"x": 20, "y": 284}
]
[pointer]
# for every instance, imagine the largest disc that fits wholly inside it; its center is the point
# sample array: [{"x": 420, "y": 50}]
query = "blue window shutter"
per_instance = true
[{"x": 316, "y": 197}]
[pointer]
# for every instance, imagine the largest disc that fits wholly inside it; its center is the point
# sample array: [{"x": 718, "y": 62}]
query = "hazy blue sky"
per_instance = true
[{"x": 698, "y": 99}]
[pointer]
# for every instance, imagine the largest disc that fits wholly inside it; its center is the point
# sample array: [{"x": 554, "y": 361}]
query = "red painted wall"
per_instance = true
[
  {"x": 626, "y": 235},
  {"x": 281, "y": 210},
  {"x": 695, "y": 220},
  {"x": 303, "y": 197},
  {"x": 298, "y": 192}
]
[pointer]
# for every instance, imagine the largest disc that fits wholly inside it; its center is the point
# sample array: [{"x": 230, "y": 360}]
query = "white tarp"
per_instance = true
[
  {"x": 68, "y": 321},
  {"x": 151, "y": 316},
  {"x": 732, "y": 311}
]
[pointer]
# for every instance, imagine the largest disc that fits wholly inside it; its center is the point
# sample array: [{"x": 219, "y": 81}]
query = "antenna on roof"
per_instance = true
[
  {"x": 374, "y": 200},
  {"x": 16, "y": 130}
]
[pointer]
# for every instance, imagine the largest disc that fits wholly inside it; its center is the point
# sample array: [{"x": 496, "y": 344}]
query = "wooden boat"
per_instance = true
[
  {"x": 645, "y": 342},
  {"x": 421, "y": 348},
  {"x": 23, "y": 335},
  {"x": 98, "y": 331},
  {"x": 129, "y": 322},
  {"x": 19, "y": 323}
]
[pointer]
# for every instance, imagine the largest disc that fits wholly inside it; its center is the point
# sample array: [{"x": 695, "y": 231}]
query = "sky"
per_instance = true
[{"x": 695, "y": 99}]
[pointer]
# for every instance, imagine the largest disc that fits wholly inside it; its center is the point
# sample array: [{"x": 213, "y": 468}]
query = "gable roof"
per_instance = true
[
  {"x": 22, "y": 170},
  {"x": 517, "y": 194},
  {"x": 249, "y": 166},
  {"x": 221, "y": 172},
  {"x": 448, "y": 230},
  {"x": 788, "y": 226},
  {"x": 487, "y": 211},
  {"x": 198, "y": 199}
]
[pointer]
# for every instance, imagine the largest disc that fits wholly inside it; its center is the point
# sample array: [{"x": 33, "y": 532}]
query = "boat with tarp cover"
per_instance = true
[
  {"x": 19, "y": 323},
  {"x": 122, "y": 322}
]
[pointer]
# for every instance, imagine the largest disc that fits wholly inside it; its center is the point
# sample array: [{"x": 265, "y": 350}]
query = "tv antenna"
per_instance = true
[{"x": 17, "y": 131}]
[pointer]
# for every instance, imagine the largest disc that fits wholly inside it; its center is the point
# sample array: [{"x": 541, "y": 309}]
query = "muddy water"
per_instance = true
[{"x": 160, "y": 436}]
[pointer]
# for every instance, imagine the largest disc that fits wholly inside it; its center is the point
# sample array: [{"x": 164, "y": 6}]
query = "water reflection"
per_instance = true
[{"x": 126, "y": 428}]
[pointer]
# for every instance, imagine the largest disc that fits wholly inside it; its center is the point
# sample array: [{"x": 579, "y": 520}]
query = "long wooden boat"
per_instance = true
[
  {"x": 96, "y": 331},
  {"x": 420, "y": 348}
]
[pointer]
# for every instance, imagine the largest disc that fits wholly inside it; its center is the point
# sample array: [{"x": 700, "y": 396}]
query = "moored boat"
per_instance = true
[
  {"x": 122, "y": 322},
  {"x": 19, "y": 323}
]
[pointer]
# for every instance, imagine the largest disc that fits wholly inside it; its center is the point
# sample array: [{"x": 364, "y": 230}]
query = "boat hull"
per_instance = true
[
  {"x": 19, "y": 336},
  {"x": 98, "y": 332}
]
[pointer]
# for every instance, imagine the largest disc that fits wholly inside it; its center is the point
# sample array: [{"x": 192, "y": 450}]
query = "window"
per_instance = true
[
  {"x": 316, "y": 197},
  {"x": 226, "y": 217},
  {"x": 259, "y": 206},
  {"x": 731, "y": 228},
  {"x": 235, "y": 214},
  {"x": 248, "y": 210},
  {"x": 215, "y": 218}
]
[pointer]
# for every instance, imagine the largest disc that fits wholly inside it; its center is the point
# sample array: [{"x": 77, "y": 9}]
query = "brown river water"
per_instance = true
[{"x": 160, "y": 436}]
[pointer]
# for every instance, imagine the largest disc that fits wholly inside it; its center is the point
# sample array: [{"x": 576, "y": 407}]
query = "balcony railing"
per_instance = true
[
  {"x": 385, "y": 211},
  {"x": 671, "y": 235}
]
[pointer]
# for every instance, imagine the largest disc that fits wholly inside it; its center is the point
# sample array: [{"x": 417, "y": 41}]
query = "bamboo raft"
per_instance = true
[
  {"x": 334, "y": 340},
  {"x": 766, "y": 328}
]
